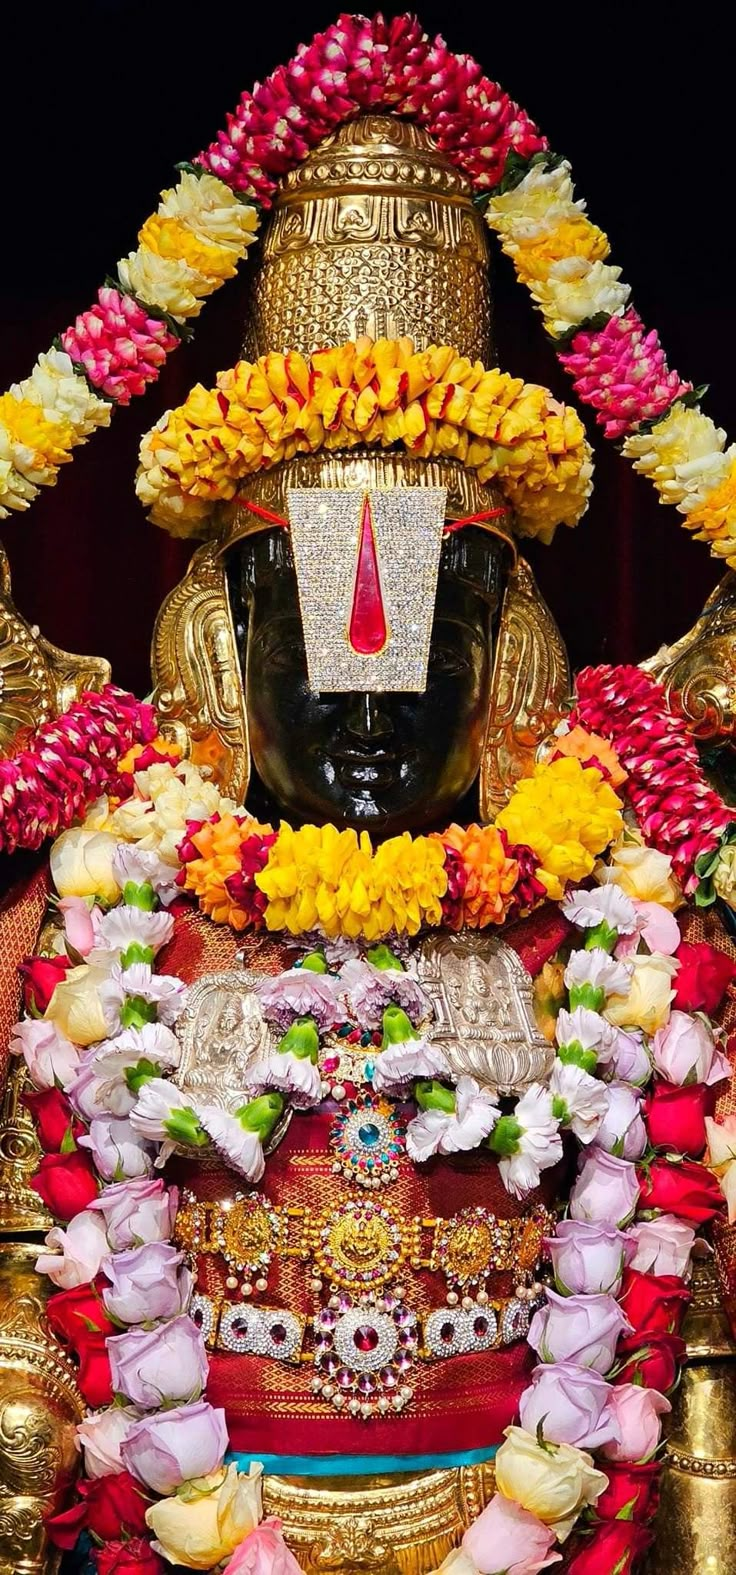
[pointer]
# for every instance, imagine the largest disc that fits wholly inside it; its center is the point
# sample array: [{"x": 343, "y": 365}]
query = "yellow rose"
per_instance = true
[
  {"x": 81, "y": 864},
  {"x": 552, "y": 1481},
  {"x": 199, "y": 1527},
  {"x": 641, "y": 872},
  {"x": 76, "y": 1008},
  {"x": 647, "y": 1005},
  {"x": 724, "y": 878}
]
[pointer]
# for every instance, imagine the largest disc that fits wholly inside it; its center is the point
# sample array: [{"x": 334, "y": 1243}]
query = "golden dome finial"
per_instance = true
[{"x": 374, "y": 233}]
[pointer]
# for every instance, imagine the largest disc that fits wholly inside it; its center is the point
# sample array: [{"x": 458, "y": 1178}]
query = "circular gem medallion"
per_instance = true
[
  {"x": 365, "y": 1339},
  {"x": 367, "y": 1140},
  {"x": 363, "y": 1354},
  {"x": 359, "y": 1244},
  {"x": 471, "y": 1244}
]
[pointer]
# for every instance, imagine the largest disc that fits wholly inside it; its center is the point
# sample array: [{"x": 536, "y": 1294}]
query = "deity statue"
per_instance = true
[{"x": 358, "y": 651}]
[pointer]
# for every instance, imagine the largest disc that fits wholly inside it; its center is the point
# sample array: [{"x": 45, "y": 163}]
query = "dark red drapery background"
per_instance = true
[{"x": 104, "y": 101}]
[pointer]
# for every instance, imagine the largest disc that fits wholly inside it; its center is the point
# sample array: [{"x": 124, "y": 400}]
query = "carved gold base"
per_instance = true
[
  {"x": 695, "y": 1529},
  {"x": 39, "y": 1407},
  {"x": 391, "y": 1525}
]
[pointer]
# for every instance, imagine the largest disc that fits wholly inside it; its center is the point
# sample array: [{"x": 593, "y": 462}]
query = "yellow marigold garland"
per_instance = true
[
  {"x": 314, "y": 877},
  {"x": 383, "y": 392}
]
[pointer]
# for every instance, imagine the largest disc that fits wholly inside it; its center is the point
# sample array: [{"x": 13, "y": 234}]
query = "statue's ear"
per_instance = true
[
  {"x": 530, "y": 686},
  {"x": 198, "y": 686}
]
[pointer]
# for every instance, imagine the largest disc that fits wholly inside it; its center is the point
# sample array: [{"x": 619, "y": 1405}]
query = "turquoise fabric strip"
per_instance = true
[{"x": 358, "y": 1465}]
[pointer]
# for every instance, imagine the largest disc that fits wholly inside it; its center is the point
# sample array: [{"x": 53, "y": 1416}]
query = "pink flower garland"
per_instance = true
[
  {"x": 360, "y": 64},
  {"x": 68, "y": 764},
  {"x": 678, "y": 812},
  {"x": 118, "y": 345},
  {"x": 620, "y": 370}
]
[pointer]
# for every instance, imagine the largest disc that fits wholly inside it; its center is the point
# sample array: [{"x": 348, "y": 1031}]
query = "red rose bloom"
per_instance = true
[
  {"x": 94, "y": 1377},
  {"x": 53, "y": 1116},
  {"x": 112, "y": 1508},
  {"x": 40, "y": 978},
  {"x": 632, "y": 1492},
  {"x": 128, "y": 1558},
  {"x": 704, "y": 976},
  {"x": 685, "y": 1189},
  {"x": 65, "y": 1183},
  {"x": 651, "y": 1359},
  {"x": 675, "y": 1116},
  {"x": 655, "y": 1302},
  {"x": 615, "y": 1546},
  {"x": 74, "y": 1316}
]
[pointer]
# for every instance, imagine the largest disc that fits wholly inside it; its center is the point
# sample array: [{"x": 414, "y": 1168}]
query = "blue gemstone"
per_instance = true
[{"x": 369, "y": 1134}]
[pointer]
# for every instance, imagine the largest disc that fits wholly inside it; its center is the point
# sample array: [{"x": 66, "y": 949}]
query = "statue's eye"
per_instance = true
[{"x": 446, "y": 661}]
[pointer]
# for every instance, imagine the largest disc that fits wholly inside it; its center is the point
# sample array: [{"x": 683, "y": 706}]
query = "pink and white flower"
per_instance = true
[
  {"x": 242, "y": 1149},
  {"x": 172, "y": 1447},
  {"x": 155, "y": 1367},
  {"x": 662, "y": 1246},
  {"x": 100, "y": 1436},
  {"x": 50, "y": 1057},
  {"x": 81, "y": 923},
  {"x": 580, "y": 1329},
  {"x": 146, "y": 1283},
  {"x": 630, "y": 1060},
  {"x": 445, "y": 1132},
  {"x": 137, "y": 1211},
  {"x": 606, "y": 1189},
  {"x": 588, "y": 1258},
  {"x": 657, "y": 927},
  {"x": 637, "y": 1412},
  {"x": 579, "y": 1101},
  {"x": 291, "y": 1074},
  {"x": 117, "y": 1150},
  {"x": 368, "y": 990},
  {"x": 144, "y": 867},
  {"x": 299, "y": 993},
  {"x": 594, "y": 974},
  {"x": 570, "y": 1404},
  {"x": 685, "y": 1051},
  {"x": 539, "y": 1142},
  {"x": 123, "y": 927},
  {"x": 603, "y": 905},
  {"x": 402, "y": 1063},
  {"x": 585, "y": 1029},
  {"x": 75, "y": 1254},
  {"x": 507, "y": 1537},
  {"x": 622, "y": 1130}
]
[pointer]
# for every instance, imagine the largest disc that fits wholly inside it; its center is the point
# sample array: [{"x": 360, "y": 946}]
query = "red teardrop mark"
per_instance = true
[{"x": 367, "y": 631}]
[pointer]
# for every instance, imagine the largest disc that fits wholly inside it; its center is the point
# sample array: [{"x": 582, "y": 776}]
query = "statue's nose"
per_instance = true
[{"x": 368, "y": 720}]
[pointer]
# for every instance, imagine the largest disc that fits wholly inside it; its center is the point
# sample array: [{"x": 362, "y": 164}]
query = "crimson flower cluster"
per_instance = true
[
  {"x": 356, "y": 65},
  {"x": 68, "y": 764},
  {"x": 677, "y": 810}
]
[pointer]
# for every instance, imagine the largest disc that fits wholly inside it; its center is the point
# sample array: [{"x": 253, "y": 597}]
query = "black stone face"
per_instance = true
[{"x": 383, "y": 762}]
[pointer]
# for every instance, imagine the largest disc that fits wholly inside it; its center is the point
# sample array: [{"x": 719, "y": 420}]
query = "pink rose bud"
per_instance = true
[
  {"x": 606, "y": 1189},
  {"x": 74, "y": 1255},
  {"x": 100, "y": 1435},
  {"x": 50, "y": 1057},
  {"x": 588, "y": 1258},
  {"x": 662, "y": 1246},
  {"x": 147, "y": 1282},
  {"x": 172, "y": 1447},
  {"x": 506, "y": 1537},
  {"x": 571, "y": 1404},
  {"x": 137, "y": 1211},
  {"x": 630, "y": 1061},
  {"x": 167, "y": 1364},
  {"x": 685, "y": 1051},
  {"x": 580, "y": 1329},
  {"x": 117, "y": 1151},
  {"x": 637, "y": 1412},
  {"x": 622, "y": 1130}
]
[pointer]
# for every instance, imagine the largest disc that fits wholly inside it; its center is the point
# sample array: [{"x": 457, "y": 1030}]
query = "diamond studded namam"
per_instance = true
[{"x": 367, "y": 564}]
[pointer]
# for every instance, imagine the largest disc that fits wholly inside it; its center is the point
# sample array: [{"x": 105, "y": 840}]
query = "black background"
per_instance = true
[{"x": 98, "y": 101}]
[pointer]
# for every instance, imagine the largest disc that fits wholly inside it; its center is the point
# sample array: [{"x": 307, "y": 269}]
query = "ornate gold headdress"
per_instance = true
[{"x": 374, "y": 235}]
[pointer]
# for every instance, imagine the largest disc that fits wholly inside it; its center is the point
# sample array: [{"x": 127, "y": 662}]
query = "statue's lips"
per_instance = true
[{"x": 365, "y": 768}]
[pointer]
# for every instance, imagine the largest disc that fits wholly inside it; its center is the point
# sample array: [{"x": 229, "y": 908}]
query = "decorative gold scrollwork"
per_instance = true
[
  {"x": 37, "y": 679},
  {"x": 531, "y": 684},
  {"x": 700, "y": 668},
  {"x": 198, "y": 688}
]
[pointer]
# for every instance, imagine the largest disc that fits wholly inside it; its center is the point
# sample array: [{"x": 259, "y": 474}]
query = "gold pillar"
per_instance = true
[{"x": 695, "y": 1529}]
